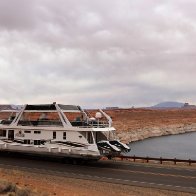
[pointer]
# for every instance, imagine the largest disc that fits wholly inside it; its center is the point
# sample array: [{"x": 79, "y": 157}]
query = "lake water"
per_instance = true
[{"x": 182, "y": 146}]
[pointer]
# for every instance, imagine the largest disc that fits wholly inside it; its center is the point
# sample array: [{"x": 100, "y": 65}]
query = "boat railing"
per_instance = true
[{"x": 95, "y": 124}]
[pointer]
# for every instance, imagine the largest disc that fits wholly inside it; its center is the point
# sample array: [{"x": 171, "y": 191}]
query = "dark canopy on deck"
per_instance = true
[{"x": 52, "y": 107}]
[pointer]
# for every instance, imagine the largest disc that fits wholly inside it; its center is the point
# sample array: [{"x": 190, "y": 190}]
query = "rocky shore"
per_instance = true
[
  {"x": 139, "y": 124},
  {"x": 148, "y": 132}
]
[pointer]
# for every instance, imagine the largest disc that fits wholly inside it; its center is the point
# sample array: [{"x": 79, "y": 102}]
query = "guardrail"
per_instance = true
[{"x": 160, "y": 159}]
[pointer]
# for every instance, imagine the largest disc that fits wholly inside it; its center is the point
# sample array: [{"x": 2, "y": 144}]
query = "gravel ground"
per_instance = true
[{"x": 24, "y": 184}]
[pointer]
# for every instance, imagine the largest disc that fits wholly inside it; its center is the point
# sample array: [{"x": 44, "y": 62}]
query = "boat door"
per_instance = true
[
  {"x": 10, "y": 134},
  {"x": 90, "y": 137}
]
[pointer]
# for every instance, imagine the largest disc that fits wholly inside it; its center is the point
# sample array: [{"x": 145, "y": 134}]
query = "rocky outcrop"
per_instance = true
[
  {"x": 140, "y": 123},
  {"x": 147, "y": 132}
]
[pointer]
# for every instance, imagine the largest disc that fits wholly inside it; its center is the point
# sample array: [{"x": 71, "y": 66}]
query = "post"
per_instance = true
[
  {"x": 189, "y": 162},
  {"x": 174, "y": 161},
  {"x": 161, "y": 161}
]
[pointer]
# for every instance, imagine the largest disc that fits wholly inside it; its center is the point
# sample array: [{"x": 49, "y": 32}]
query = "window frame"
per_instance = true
[
  {"x": 37, "y": 142},
  {"x": 3, "y": 132},
  {"x": 54, "y": 135},
  {"x": 64, "y": 135},
  {"x": 37, "y": 132},
  {"x": 27, "y": 141},
  {"x": 27, "y": 131}
]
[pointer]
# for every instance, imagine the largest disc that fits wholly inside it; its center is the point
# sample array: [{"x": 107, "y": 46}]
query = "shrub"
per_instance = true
[{"x": 6, "y": 187}]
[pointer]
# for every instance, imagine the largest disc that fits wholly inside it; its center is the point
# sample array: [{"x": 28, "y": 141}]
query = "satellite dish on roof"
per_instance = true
[{"x": 98, "y": 115}]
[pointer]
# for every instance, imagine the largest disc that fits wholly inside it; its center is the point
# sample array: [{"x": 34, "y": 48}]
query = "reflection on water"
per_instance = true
[{"x": 181, "y": 146}]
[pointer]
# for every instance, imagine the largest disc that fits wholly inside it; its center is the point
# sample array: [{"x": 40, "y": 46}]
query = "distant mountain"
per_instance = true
[
  {"x": 17, "y": 107},
  {"x": 5, "y": 107},
  {"x": 169, "y": 104},
  {"x": 10, "y": 107}
]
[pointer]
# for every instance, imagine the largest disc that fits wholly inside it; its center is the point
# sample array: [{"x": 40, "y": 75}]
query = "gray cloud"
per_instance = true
[{"x": 97, "y": 53}]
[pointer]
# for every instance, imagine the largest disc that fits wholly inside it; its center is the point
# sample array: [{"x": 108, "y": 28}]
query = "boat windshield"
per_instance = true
[
  {"x": 40, "y": 119},
  {"x": 7, "y": 117}
]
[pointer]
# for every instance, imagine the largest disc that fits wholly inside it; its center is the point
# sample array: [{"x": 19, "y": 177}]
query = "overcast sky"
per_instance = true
[{"x": 97, "y": 53}]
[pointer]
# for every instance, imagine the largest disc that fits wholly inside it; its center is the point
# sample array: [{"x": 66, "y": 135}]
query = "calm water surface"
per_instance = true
[{"x": 181, "y": 146}]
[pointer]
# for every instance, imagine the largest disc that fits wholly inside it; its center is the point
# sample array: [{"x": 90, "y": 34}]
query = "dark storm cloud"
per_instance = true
[{"x": 97, "y": 53}]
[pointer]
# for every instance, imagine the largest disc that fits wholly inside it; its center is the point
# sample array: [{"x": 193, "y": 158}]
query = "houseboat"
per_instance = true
[{"x": 65, "y": 131}]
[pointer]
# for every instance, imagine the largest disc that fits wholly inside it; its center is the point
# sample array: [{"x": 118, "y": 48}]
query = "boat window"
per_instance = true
[
  {"x": 77, "y": 119},
  {"x": 99, "y": 136},
  {"x": 64, "y": 135},
  {"x": 37, "y": 142},
  {"x": 3, "y": 133},
  {"x": 37, "y": 132},
  {"x": 27, "y": 141},
  {"x": 11, "y": 134},
  {"x": 7, "y": 117},
  {"x": 27, "y": 131},
  {"x": 35, "y": 118},
  {"x": 74, "y": 116},
  {"x": 54, "y": 134}
]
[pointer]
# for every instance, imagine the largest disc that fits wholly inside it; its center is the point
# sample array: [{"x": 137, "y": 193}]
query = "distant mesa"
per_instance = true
[
  {"x": 112, "y": 108},
  {"x": 173, "y": 104},
  {"x": 6, "y": 107},
  {"x": 10, "y": 107},
  {"x": 169, "y": 104}
]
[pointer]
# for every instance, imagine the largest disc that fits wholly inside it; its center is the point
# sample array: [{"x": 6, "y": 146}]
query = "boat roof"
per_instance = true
[
  {"x": 69, "y": 107},
  {"x": 41, "y": 107},
  {"x": 52, "y": 107}
]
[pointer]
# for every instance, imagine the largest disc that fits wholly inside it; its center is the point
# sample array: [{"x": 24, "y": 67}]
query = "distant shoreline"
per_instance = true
[{"x": 151, "y": 132}]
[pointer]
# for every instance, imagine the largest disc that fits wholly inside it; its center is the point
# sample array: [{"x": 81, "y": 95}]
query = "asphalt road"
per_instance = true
[{"x": 180, "y": 179}]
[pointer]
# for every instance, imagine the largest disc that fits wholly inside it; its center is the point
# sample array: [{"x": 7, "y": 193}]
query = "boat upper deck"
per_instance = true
[{"x": 56, "y": 115}]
